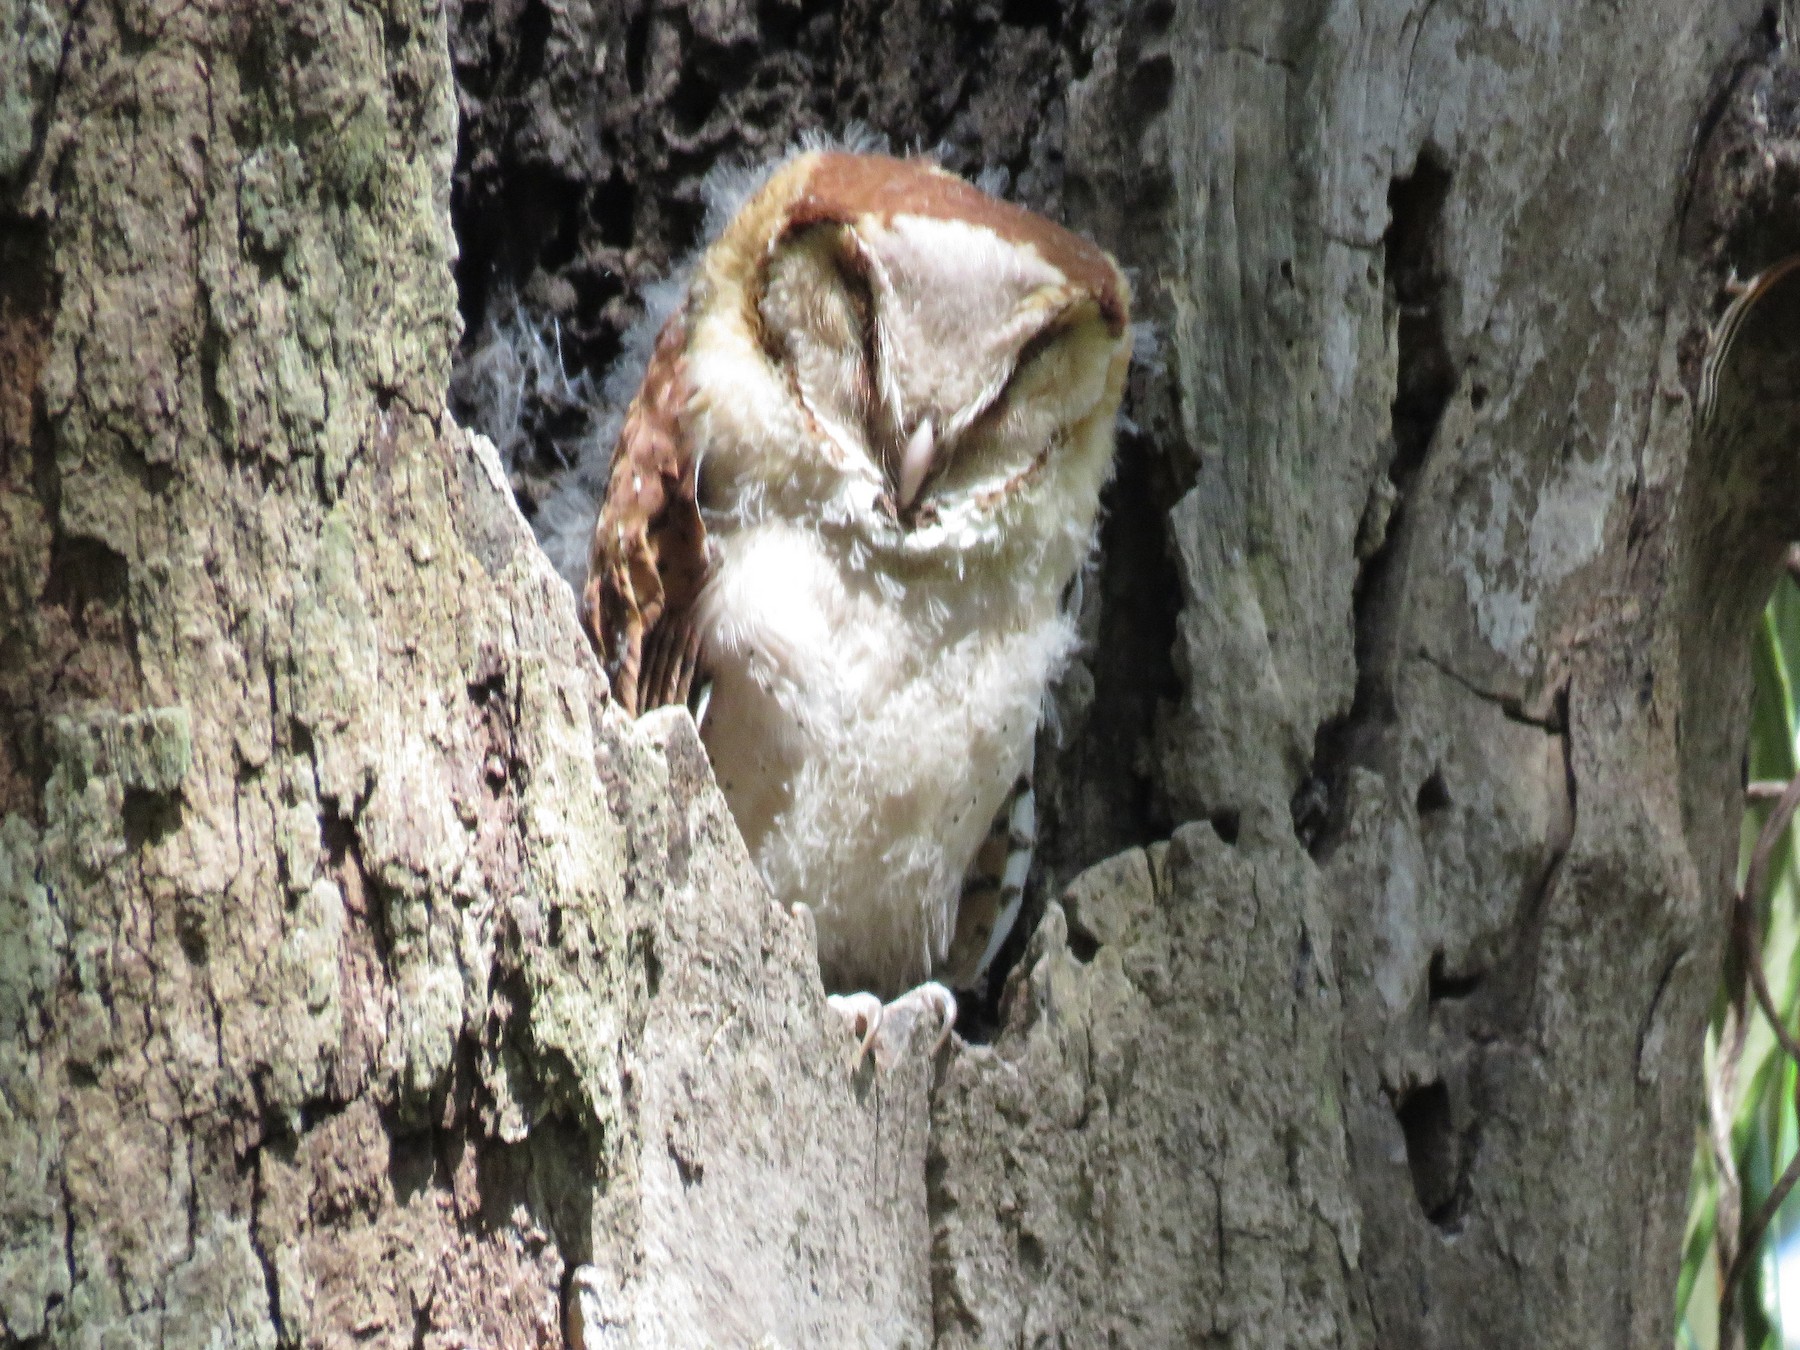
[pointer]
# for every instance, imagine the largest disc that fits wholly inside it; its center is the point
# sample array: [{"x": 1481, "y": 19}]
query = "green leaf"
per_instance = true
[{"x": 1765, "y": 1129}]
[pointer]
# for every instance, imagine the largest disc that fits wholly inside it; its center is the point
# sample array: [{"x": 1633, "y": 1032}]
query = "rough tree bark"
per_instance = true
[{"x": 362, "y": 970}]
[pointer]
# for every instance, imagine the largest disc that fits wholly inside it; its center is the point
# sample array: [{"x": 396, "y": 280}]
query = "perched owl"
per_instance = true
[{"x": 847, "y": 503}]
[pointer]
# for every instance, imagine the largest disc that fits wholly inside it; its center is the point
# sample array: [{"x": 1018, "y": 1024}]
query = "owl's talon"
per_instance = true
[
  {"x": 886, "y": 1028},
  {"x": 862, "y": 1013},
  {"x": 947, "y": 1010},
  {"x": 897, "y": 1018}
]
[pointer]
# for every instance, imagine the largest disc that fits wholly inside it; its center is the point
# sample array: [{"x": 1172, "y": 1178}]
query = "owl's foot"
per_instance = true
[
  {"x": 886, "y": 1028},
  {"x": 862, "y": 1015}
]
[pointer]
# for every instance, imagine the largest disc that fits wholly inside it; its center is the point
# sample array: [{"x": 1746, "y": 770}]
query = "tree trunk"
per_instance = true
[{"x": 363, "y": 970}]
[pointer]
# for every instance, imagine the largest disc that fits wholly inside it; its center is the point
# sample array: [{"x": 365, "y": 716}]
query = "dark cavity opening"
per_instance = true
[
  {"x": 85, "y": 573},
  {"x": 1433, "y": 1154},
  {"x": 1442, "y": 983},
  {"x": 1433, "y": 794},
  {"x": 1096, "y": 786},
  {"x": 1417, "y": 278},
  {"x": 150, "y": 817},
  {"x": 1416, "y": 274}
]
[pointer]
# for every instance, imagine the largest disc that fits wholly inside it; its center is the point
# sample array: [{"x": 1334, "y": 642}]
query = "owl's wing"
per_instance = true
[{"x": 648, "y": 560}]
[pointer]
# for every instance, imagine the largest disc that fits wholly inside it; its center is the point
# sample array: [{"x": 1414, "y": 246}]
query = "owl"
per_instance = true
[{"x": 844, "y": 511}]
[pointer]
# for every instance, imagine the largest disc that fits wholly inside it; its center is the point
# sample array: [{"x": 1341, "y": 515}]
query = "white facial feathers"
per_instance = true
[
  {"x": 904, "y": 339},
  {"x": 911, "y": 351}
]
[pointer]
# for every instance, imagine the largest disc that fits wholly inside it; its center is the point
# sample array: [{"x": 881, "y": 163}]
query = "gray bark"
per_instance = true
[{"x": 363, "y": 970}]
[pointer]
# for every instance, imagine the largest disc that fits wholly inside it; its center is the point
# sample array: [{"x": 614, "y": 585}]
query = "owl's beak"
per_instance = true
[{"x": 915, "y": 462}]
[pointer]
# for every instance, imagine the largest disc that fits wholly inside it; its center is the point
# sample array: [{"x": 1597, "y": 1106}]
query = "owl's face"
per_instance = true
[
  {"x": 881, "y": 349},
  {"x": 919, "y": 378}
]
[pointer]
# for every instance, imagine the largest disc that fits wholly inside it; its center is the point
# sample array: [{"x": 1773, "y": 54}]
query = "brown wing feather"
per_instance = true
[{"x": 648, "y": 559}]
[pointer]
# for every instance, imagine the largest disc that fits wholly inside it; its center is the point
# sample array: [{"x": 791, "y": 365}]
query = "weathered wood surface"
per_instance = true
[{"x": 362, "y": 970}]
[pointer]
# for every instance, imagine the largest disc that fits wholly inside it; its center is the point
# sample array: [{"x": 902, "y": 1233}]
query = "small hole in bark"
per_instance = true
[
  {"x": 150, "y": 817},
  {"x": 652, "y": 966},
  {"x": 558, "y": 222},
  {"x": 1310, "y": 807},
  {"x": 488, "y": 688},
  {"x": 192, "y": 936},
  {"x": 691, "y": 1173},
  {"x": 695, "y": 99},
  {"x": 1433, "y": 794},
  {"x": 1225, "y": 825},
  {"x": 85, "y": 572},
  {"x": 637, "y": 43},
  {"x": 781, "y": 25},
  {"x": 1031, "y": 14},
  {"x": 1152, "y": 83},
  {"x": 684, "y": 218},
  {"x": 1031, "y": 1254},
  {"x": 1434, "y": 1155},
  {"x": 1478, "y": 397},
  {"x": 300, "y": 739},
  {"x": 534, "y": 36},
  {"x": 1441, "y": 983},
  {"x": 1083, "y": 945},
  {"x": 411, "y": 1163},
  {"x": 613, "y": 207},
  {"x": 1418, "y": 273},
  {"x": 595, "y": 290},
  {"x": 338, "y": 836}
]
